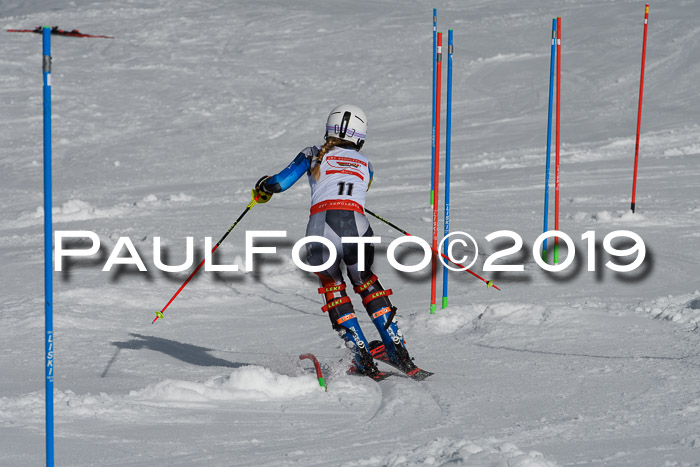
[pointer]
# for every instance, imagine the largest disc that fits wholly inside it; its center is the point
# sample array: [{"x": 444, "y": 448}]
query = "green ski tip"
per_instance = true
[
  {"x": 433, "y": 307},
  {"x": 444, "y": 302},
  {"x": 322, "y": 383}
]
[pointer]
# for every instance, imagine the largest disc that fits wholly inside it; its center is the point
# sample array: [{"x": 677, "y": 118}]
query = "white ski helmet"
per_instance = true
[{"x": 347, "y": 122}]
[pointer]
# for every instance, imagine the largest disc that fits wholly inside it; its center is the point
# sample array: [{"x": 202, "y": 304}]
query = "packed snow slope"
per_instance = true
[{"x": 162, "y": 131}]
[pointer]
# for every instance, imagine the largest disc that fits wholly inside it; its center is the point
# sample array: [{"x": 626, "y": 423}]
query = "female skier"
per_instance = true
[{"x": 339, "y": 176}]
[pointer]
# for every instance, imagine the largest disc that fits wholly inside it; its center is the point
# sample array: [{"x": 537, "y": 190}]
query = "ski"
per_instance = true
[
  {"x": 378, "y": 351},
  {"x": 378, "y": 376},
  {"x": 60, "y": 32}
]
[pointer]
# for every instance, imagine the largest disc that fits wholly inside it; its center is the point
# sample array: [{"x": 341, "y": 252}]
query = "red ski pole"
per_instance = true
[
  {"x": 159, "y": 314},
  {"x": 435, "y": 250},
  {"x": 639, "y": 110}
]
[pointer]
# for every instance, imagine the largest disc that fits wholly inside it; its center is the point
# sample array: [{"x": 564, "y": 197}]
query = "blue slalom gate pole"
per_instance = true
[
  {"x": 448, "y": 144},
  {"x": 432, "y": 148},
  {"x": 48, "y": 246},
  {"x": 549, "y": 135}
]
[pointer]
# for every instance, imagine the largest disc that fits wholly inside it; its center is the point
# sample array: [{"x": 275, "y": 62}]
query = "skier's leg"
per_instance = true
[
  {"x": 383, "y": 313},
  {"x": 375, "y": 299},
  {"x": 338, "y": 304},
  {"x": 345, "y": 322}
]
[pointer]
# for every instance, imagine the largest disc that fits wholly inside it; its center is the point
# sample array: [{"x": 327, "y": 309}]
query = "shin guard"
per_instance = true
[
  {"x": 349, "y": 330},
  {"x": 374, "y": 296},
  {"x": 391, "y": 335}
]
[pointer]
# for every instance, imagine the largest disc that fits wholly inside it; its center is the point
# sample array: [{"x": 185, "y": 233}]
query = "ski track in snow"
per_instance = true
[{"x": 162, "y": 132}]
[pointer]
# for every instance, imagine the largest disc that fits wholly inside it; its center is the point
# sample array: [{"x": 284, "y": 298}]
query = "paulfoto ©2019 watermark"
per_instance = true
[{"x": 125, "y": 253}]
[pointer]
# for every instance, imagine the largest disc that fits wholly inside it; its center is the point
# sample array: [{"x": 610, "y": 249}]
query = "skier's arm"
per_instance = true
[{"x": 288, "y": 176}]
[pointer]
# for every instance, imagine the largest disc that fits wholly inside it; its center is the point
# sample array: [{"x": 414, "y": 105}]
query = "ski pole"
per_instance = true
[
  {"x": 159, "y": 314},
  {"x": 489, "y": 283}
]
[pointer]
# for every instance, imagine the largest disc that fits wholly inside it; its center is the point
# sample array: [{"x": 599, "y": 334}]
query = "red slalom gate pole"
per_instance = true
[
  {"x": 436, "y": 180},
  {"x": 558, "y": 145},
  {"x": 317, "y": 366},
  {"x": 159, "y": 314},
  {"x": 639, "y": 110},
  {"x": 432, "y": 143}
]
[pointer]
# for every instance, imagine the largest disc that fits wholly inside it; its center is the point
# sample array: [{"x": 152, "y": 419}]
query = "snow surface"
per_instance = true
[{"x": 163, "y": 131}]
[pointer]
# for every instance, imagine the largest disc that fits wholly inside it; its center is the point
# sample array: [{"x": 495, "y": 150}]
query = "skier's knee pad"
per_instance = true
[
  {"x": 374, "y": 296},
  {"x": 337, "y": 300},
  {"x": 342, "y": 314}
]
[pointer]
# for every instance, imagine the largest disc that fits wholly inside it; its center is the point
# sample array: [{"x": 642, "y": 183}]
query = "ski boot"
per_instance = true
[
  {"x": 349, "y": 330},
  {"x": 375, "y": 298},
  {"x": 342, "y": 315},
  {"x": 343, "y": 319},
  {"x": 392, "y": 339}
]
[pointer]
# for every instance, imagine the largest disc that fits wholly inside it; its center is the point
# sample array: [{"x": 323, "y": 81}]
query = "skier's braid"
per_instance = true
[{"x": 331, "y": 142}]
